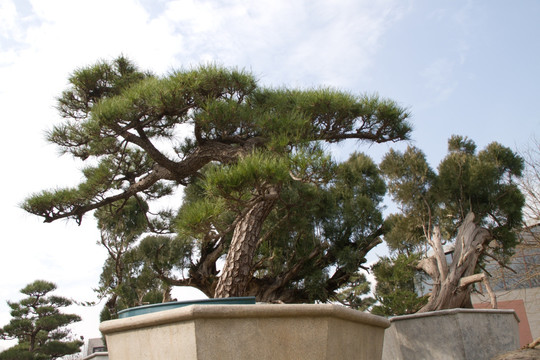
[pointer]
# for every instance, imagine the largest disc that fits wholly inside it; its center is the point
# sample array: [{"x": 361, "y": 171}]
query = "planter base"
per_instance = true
[
  {"x": 455, "y": 334},
  {"x": 247, "y": 332}
]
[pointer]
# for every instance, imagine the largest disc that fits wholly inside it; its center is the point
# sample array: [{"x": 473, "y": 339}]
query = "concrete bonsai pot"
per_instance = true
[
  {"x": 455, "y": 334},
  {"x": 261, "y": 331}
]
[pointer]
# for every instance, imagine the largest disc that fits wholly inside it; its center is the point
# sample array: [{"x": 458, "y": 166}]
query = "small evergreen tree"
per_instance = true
[{"x": 39, "y": 326}]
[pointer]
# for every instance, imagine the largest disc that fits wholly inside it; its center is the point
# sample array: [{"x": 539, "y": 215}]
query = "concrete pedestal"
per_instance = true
[
  {"x": 247, "y": 332},
  {"x": 456, "y": 334}
]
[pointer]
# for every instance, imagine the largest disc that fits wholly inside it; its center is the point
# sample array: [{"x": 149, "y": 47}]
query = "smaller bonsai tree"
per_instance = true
[
  {"x": 39, "y": 326},
  {"x": 472, "y": 200}
]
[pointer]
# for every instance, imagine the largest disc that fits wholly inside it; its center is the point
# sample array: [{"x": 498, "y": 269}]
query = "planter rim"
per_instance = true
[
  {"x": 452, "y": 312},
  {"x": 194, "y": 312},
  {"x": 150, "y": 308}
]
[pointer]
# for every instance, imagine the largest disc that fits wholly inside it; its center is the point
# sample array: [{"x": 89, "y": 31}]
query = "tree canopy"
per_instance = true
[
  {"x": 255, "y": 169},
  {"x": 39, "y": 326},
  {"x": 465, "y": 181}
]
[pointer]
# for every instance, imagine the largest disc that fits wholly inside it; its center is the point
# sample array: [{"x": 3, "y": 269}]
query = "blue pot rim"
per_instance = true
[{"x": 147, "y": 309}]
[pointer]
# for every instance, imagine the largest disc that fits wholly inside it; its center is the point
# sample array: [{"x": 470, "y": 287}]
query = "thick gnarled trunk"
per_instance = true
[
  {"x": 451, "y": 282},
  {"x": 236, "y": 272}
]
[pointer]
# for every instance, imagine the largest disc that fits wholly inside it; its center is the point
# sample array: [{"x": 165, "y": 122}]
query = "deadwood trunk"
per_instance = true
[{"x": 451, "y": 282}]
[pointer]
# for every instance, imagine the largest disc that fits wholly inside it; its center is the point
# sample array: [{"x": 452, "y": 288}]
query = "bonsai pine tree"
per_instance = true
[
  {"x": 472, "y": 202},
  {"x": 259, "y": 188},
  {"x": 39, "y": 326}
]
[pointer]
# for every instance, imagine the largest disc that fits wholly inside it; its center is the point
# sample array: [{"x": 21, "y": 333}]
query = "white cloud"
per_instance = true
[
  {"x": 8, "y": 14},
  {"x": 283, "y": 41},
  {"x": 303, "y": 42}
]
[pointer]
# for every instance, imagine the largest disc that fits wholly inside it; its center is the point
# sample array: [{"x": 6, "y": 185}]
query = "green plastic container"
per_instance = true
[{"x": 147, "y": 309}]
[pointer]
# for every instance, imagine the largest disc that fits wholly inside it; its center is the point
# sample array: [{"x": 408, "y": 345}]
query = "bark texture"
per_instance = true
[{"x": 237, "y": 270}]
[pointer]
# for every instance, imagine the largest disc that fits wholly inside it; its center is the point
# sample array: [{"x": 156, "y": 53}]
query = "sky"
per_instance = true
[{"x": 461, "y": 67}]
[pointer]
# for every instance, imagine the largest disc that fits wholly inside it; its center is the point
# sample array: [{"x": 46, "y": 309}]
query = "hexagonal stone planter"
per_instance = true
[
  {"x": 261, "y": 331},
  {"x": 456, "y": 334}
]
